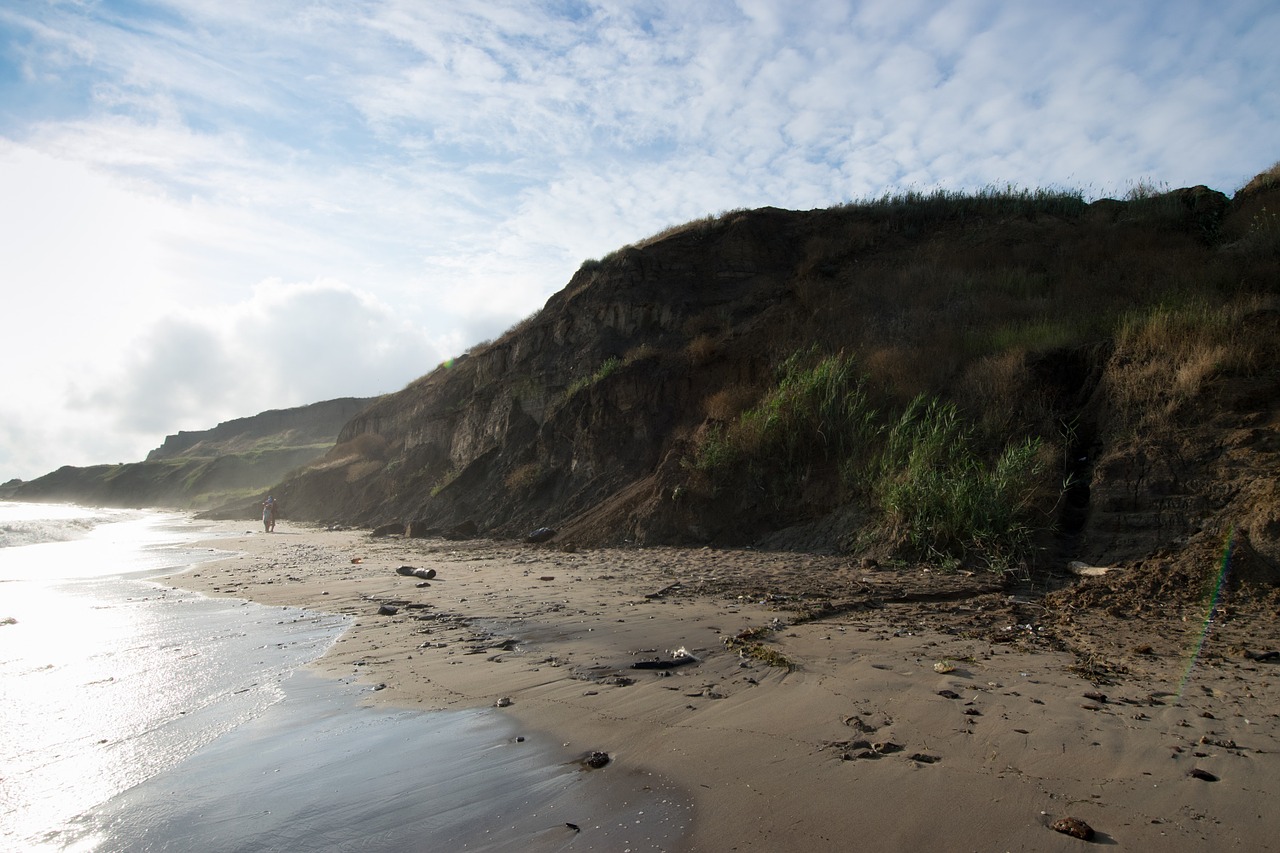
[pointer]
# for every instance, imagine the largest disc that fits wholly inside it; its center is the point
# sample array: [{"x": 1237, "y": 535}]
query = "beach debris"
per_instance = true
[
  {"x": 679, "y": 657},
  {"x": 944, "y": 666},
  {"x": 1085, "y": 570},
  {"x": 1202, "y": 775},
  {"x": 1262, "y": 657},
  {"x": 547, "y": 578},
  {"x": 666, "y": 589},
  {"x": 660, "y": 664},
  {"x": 8, "y": 620},
  {"x": 504, "y": 702},
  {"x": 357, "y": 560},
  {"x": 388, "y": 610},
  {"x": 924, "y": 758},
  {"x": 948, "y": 694},
  {"x": 747, "y": 643},
  {"x": 1074, "y": 827},
  {"x": 573, "y": 826},
  {"x": 542, "y": 534},
  {"x": 415, "y": 572},
  {"x": 1096, "y": 697},
  {"x": 596, "y": 760}
]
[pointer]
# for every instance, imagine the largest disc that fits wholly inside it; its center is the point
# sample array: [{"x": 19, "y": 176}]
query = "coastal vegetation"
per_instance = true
[{"x": 922, "y": 470}]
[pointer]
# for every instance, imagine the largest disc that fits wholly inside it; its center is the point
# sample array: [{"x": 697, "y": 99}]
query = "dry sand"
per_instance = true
[{"x": 864, "y": 744}]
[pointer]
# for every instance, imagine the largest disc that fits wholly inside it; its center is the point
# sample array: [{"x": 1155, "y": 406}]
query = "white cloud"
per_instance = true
[{"x": 287, "y": 345}]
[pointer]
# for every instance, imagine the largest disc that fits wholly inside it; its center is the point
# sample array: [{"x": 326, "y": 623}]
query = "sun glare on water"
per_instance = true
[{"x": 87, "y": 665}]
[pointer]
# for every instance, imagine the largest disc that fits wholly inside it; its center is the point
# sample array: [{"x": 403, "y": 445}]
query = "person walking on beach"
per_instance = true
[{"x": 269, "y": 514}]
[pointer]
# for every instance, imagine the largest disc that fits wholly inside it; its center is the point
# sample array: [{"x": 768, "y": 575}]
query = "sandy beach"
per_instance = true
[{"x": 831, "y": 704}]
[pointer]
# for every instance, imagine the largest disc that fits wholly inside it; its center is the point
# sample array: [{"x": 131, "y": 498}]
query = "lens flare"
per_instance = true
[{"x": 1224, "y": 566}]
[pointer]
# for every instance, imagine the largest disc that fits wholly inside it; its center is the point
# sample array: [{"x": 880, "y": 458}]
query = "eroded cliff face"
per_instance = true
[
  {"x": 580, "y": 401},
  {"x": 1200, "y": 473},
  {"x": 585, "y": 417}
]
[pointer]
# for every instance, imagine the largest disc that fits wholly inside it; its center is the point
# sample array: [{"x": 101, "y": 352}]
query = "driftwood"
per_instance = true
[
  {"x": 410, "y": 571},
  {"x": 1086, "y": 571},
  {"x": 666, "y": 589}
]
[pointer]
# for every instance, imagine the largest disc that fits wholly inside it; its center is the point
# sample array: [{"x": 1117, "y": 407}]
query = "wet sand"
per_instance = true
[{"x": 833, "y": 705}]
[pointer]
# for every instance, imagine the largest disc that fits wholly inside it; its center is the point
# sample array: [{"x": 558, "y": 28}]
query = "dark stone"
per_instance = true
[
  {"x": 388, "y": 610},
  {"x": 542, "y": 534},
  {"x": 596, "y": 760},
  {"x": 1074, "y": 827}
]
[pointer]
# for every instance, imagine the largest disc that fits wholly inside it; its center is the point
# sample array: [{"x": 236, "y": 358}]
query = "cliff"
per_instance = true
[
  {"x": 236, "y": 460},
  {"x": 1093, "y": 382}
]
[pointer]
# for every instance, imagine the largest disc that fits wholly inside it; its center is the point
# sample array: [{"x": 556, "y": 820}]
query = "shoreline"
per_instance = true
[{"x": 934, "y": 717}]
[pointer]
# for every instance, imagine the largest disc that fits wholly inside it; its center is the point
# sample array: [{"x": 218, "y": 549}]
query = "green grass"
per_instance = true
[
  {"x": 819, "y": 412},
  {"x": 1034, "y": 335},
  {"x": 601, "y": 373},
  {"x": 912, "y": 210},
  {"x": 948, "y": 500},
  {"x": 445, "y": 480},
  {"x": 923, "y": 471}
]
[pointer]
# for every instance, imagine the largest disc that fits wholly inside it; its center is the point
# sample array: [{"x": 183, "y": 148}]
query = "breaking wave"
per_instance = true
[{"x": 34, "y": 524}]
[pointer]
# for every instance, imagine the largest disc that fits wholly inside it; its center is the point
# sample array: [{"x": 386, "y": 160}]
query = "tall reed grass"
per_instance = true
[
  {"x": 922, "y": 470},
  {"x": 947, "y": 500}
]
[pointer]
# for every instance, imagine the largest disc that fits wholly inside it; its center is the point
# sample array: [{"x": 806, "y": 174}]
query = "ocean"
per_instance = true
[{"x": 139, "y": 717}]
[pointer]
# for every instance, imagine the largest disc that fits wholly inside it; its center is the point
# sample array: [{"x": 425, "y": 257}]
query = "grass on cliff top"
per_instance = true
[{"x": 907, "y": 211}]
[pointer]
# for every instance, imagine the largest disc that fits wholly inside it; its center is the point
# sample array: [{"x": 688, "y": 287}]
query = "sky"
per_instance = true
[{"x": 210, "y": 209}]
